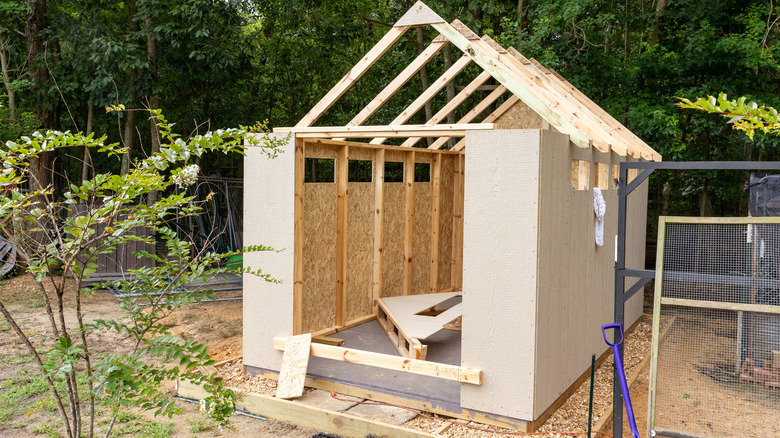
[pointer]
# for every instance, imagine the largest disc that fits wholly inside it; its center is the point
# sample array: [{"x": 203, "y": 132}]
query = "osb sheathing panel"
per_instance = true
[
  {"x": 575, "y": 283},
  {"x": 446, "y": 191},
  {"x": 393, "y": 240},
  {"x": 519, "y": 116},
  {"x": 360, "y": 249},
  {"x": 315, "y": 150},
  {"x": 359, "y": 153},
  {"x": 319, "y": 256},
  {"x": 421, "y": 238}
]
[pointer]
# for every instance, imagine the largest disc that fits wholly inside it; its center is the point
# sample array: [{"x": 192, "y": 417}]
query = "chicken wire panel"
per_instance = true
[{"x": 716, "y": 372}]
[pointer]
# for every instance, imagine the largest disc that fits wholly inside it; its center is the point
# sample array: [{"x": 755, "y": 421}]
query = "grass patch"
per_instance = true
[
  {"x": 16, "y": 359},
  {"x": 131, "y": 424},
  {"x": 51, "y": 430},
  {"x": 6, "y": 413},
  {"x": 35, "y": 303},
  {"x": 4, "y": 325},
  {"x": 200, "y": 425}
]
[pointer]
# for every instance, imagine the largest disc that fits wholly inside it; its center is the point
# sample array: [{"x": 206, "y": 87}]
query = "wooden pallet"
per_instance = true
[{"x": 407, "y": 319}]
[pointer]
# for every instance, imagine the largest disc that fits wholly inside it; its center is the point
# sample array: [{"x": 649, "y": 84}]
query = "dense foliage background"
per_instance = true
[{"x": 220, "y": 63}]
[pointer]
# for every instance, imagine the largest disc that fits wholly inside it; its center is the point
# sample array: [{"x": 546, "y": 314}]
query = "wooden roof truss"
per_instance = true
[{"x": 558, "y": 102}]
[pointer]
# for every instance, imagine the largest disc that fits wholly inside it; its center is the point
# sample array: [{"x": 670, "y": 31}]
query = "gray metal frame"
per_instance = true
[{"x": 645, "y": 275}]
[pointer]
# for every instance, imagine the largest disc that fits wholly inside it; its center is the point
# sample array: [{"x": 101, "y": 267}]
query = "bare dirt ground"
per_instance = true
[{"x": 218, "y": 325}]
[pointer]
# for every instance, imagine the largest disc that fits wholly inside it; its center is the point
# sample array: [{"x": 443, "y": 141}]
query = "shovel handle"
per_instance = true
[{"x": 615, "y": 325}]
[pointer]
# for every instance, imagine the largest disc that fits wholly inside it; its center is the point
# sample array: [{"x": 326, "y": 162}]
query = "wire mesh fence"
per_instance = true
[{"x": 716, "y": 373}]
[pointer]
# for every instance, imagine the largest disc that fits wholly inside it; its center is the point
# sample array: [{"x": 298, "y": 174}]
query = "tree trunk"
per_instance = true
[
  {"x": 130, "y": 123},
  {"x": 35, "y": 25},
  {"x": 424, "y": 78},
  {"x": 154, "y": 98},
  {"x": 660, "y": 7},
  {"x": 608, "y": 33},
  {"x": 522, "y": 18},
  {"x": 86, "y": 162},
  {"x": 627, "y": 33},
  {"x": 7, "y": 82}
]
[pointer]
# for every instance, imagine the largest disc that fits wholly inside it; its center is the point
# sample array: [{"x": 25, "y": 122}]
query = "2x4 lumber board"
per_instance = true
[
  {"x": 451, "y": 105},
  {"x": 409, "y": 220},
  {"x": 427, "y": 95},
  {"x": 616, "y": 131},
  {"x": 584, "y": 115},
  {"x": 455, "y": 130},
  {"x": 327, "y": 340},
  {"x": 457, "y": 225},
  {"x": 349, "y": 324},
  {"x": 353, "y": 75},
  {"x": 295, "y": 362},
  {"x": 329, "y": 143},
  {"x": 342, "y": 173},
  {"x": 719, "y": 305},
  {"x": 568, "y": 108},
  {"x": 379, "y": 184},
  {"x": 492, "y": 117},
  {"x": 390, "y": 362},
  {"x": 520, "y": 86},
  {"x": 474, "y": 112},
  {"x": 298, "y": 238},
  {"x": 324, "y": 420},
  {"x": 419, "y": 15},
  {"x": 435, "y": 207},
  {"x": 399, "y": 81},
  {"x": 604, "y": 114}
]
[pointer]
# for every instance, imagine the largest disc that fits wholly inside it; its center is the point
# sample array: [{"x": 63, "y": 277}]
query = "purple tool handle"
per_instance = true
[{"x": 621, "y": 374}]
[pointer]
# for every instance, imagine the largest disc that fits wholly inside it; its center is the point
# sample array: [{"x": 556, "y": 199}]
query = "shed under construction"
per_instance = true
[{"x": 492, "y": 233}]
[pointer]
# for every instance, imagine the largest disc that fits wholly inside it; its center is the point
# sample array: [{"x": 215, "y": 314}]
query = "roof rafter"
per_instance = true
[
  {"x": 389, "y": 91},
  {"x": 473, "y": 113},
  {"x": 353, "y": 75},
  {"x": 451, "y": 105},
  {"x": 426, "y": 95},
  {"x": 518, "y": 84},
  {"x": 368, "y": 131}
]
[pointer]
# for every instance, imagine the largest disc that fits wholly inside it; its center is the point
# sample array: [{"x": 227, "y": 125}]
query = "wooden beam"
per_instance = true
[
  {"x": 604, "y": 136},
  {"x": 455, "y": 130},
  {"x": 324, "y": 420},
  {"x": 398, "y": 82},
  {"x": 342, "y": 166},
  {"x": 428, "y": 94},
  {"x": 300, "y": 160},
  {"x": 366, "y": 146},
  {"x": 456, "y": 262},
  {"x": 491, "y": 118},
  {"x": 435, "y": 207},
  {"x": 630, "y": 136},
  {"x": 406, "y": 345},
  {"x": 353, "y": 75},
  {"x": 719, "y": 305},
  {"x": 379, "y": 184},
  {"x": 518, "y": 84},
  {"x": 409, "y": 221},
  {"x": 473, "y": 113},
  {"x": 391, "y": 362},
  {"x": 451, "y": 105}
]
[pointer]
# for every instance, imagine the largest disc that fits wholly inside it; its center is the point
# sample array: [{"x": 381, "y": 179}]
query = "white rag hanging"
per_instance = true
[{"x": 599, "y": 208}]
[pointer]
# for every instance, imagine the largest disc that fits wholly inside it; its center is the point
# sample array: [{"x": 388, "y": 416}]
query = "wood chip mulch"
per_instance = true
[{"x": 569, "y": 419}]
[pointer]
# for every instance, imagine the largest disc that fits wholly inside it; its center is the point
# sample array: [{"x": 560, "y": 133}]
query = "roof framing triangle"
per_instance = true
[
  {"x": 419, "y": 15},
  {"x": 544, "y": 91}
]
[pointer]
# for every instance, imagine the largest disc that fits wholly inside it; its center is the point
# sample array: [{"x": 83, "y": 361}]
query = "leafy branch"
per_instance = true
[{"x": 745, "y": 115}]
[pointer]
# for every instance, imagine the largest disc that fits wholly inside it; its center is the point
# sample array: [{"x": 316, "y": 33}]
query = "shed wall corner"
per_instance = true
[
  {"x": 269, "y": 212},
  {"x": 499, "y": 269}
]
